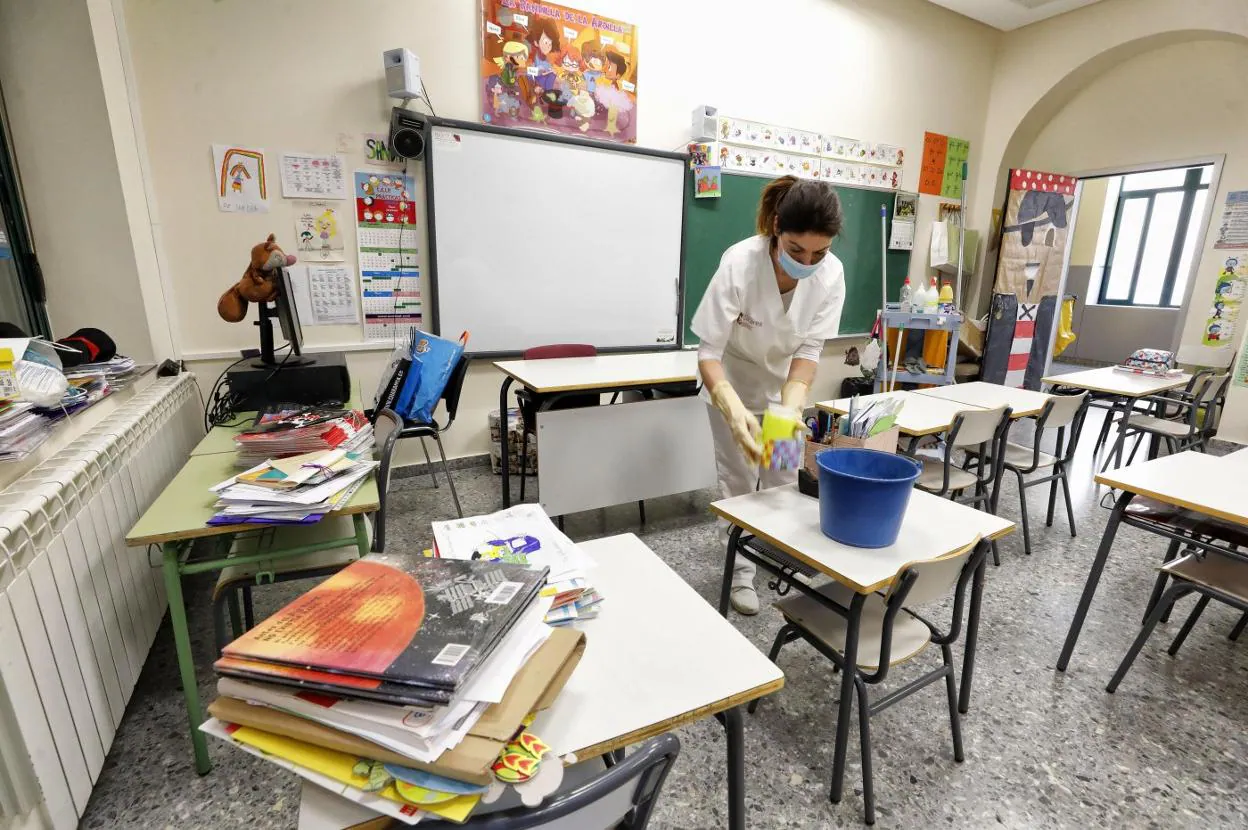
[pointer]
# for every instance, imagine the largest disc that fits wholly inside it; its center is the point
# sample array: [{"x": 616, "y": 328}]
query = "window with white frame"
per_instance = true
[{"x": 1149, "y": 235}]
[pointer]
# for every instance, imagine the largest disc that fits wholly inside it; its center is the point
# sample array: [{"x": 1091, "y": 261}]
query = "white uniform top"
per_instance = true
[{"x": 743, "y": 313}]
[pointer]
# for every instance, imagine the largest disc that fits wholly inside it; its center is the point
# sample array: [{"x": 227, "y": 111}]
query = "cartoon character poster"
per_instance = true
[
  {"x": 707, "y": 182},
  {"x": 554, "y": 68},
  {"x": 239, "y": 179},
  {"x": 318, "y": 234},
  {"x": 1228, "y": 295}
]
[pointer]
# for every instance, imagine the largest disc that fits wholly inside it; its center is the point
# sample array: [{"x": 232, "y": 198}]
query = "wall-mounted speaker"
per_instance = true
[{"x": 407, "y": 133}]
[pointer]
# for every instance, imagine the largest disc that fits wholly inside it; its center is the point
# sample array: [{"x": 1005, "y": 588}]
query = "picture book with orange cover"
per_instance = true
[{"x": 426, "y": 623}]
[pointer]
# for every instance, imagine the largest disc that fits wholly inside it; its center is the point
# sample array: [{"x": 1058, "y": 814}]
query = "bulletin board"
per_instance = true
[{"x": 713, "y": 225}]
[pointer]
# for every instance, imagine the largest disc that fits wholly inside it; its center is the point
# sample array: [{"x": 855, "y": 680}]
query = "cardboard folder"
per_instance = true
[{"x": 534, "y": 688}]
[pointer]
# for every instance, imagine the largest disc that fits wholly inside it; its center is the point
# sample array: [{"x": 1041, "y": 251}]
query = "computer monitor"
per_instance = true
[{"x": 283, "y": 310}]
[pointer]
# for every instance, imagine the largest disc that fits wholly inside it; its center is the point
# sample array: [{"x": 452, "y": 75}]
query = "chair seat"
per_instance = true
[
  {"x": 932, "y": 478},
  {"x": 1160, "y": 426},
  {"x": 1187, "y": 521},
  {"x": 1020, "y": 456},
  {"x": 1221, "y": 573},
  {"x": 909, "y": 635},
  {"x": 320, "y": 562}
]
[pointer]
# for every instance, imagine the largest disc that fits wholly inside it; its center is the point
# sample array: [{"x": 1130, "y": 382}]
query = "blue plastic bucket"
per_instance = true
[{"x": 863, "y": 495}]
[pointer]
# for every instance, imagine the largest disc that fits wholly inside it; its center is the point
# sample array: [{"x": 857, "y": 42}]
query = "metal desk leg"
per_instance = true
[
  {"x": 847, "y": 696},
  {"x": 1124, "y": 405},
  {"x": 503, "y": 466},
  {"x": 1094, "y": 579},
  {"x": 731, "y": 719},
  {"x": 186, "y": 663},
  {"x": 972, "y": 635},
  {"x": 725, "y": 588}
]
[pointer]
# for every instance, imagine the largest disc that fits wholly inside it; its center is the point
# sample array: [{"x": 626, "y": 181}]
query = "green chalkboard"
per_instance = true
[{"x": 713, "y": 225}]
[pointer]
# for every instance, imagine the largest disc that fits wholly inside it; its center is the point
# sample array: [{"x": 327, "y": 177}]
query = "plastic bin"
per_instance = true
[{"x": 863, "y": 495}]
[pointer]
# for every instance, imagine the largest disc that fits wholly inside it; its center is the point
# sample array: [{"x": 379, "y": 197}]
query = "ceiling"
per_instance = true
[{"x": 1011, "y": 14}]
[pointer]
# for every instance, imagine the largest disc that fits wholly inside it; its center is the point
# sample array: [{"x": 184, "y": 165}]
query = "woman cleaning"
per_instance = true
[{"x": 762, "y": 323}]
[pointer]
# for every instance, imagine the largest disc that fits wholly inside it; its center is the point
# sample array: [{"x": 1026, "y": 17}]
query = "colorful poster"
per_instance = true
[
  {"x": 553, "y": 68},
  {"x": 1228, "y": 295},
  {"x": 318, "y": 234},
  {"x": 706, "y": 182},
  {"x": 240, "y": 179},
  {"x": 385, "y": 218},
  {"x": 941, "y": 170},
  {"x": 307, "y": 176},
  {"x": 1233, "y": 232}
]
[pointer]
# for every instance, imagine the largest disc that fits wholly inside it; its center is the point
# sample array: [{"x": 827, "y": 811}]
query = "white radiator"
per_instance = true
[{"x": 78, "y": 610}]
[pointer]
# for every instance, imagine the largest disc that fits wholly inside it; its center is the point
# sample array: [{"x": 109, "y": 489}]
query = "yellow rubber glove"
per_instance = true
[
  {"x": 793, "y": 398},
  {"x": 745, "y": 427}
]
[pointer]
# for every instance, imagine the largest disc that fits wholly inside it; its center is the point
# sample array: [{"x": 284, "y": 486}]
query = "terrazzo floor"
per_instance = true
[{"x": 1043, "y": 749}]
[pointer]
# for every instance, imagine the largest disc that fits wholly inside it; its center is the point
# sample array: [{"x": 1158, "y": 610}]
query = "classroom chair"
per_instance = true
[
  {"x": 531, "y": 402},
  {"x": 422, "y": 430},
  {"x": 386, "y": 428},
  {"x": 890, "y": 632},
  {"x": 1061, "y": 412},
  {"x": 1189, "y": 429},
  {"x": 624, "y": 796},
  {"x": 977, "y": 433},
  {"x": 1211, "y": 575}
]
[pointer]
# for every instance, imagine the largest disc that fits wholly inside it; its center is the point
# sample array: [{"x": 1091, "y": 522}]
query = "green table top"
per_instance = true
[
  {"x": 182, "y": 511},
  {"x": 221, "y": 439}
]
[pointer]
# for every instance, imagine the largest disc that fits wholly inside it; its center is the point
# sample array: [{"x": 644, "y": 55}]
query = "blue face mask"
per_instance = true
[{"x": 795, "y": 269}]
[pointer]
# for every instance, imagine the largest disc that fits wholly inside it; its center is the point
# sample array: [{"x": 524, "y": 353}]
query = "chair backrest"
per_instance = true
[
  {"x": 560, "y": 350},
  {"x": 972, "y": 427},
  {"x": 386, "y": 428},
  {"x": 934, "y": 577},
  {"x": 1060, "y": 411},
  {"x": 1210, "y": 357},
  {"x": 1212, "y": 402},
  {"x": 623, "y": 796}
]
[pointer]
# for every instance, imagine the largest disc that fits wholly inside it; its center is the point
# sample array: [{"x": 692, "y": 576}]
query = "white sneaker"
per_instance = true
[{"x": 744, "y": 600}]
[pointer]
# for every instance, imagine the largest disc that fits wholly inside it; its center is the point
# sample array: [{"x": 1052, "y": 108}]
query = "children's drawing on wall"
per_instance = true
[
  {"x": 1036, "y": 230},
  {"x": 240, "y": 179},
  {"x": 555, "y": 68},
  {"x": 706, "y": 182},
  {"x": 318, "y": 234},
  {"x": 1228, "y": 295}
]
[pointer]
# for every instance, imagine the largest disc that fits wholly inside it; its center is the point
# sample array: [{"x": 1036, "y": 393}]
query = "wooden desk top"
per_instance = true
[
  {"x": 182, "y": 510},
  {"x": 1196, "y": 481},
  {"x": 932, "y": 527},
  {"x": 1110, "y": 381},
  {"x": 921, "y": 414},
  {"x": 1023, "y": 402},
  {"x": 658, "y": 656},
  {"x": 567, "y": 374}
]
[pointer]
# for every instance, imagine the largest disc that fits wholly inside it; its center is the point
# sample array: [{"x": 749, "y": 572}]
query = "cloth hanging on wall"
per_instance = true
[{"x": 1034, "y": 236}]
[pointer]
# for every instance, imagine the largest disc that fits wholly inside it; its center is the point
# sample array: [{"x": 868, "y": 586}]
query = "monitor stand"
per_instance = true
[{"x": 268, "y": 358}]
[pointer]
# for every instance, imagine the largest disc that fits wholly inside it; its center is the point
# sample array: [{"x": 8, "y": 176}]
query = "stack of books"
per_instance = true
[
  {"x": 525, "y": 535},
  {"x": 287, "y": 430},
  {"x": 298, "y": 489},
  {"x": 397, "y": 683}
]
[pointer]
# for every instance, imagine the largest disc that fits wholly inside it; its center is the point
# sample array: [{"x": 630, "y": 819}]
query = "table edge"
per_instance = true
[
  {"x": 683, "y": 719},
  {"x": 221, "y": 530},
  {"x": 585, "y": 387},
  {"x": 1056, "y": 380},
  {"x": 823, "y": 406},
  {"x": 1174, "y": 501}
]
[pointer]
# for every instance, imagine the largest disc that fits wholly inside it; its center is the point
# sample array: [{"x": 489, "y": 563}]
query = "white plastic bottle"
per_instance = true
[
  {"x": 918, "y": 298},
  {"x": 931, "y": 298}
]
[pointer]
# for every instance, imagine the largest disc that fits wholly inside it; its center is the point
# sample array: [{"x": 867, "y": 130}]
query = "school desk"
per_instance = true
[
  {"x": 657, "y": 657},
  {"x": 1203, "y": 484},
  {"x": 1023, "y": 403},
  {"x": 920, "y": 414},
  {"x": 596, "y": 456},
  {"x": 1124, "y": 387},
  {"x": 179, "y": 515},
  {"x": 786, "y": 523}
]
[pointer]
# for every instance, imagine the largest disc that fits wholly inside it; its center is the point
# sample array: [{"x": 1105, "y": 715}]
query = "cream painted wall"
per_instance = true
[
  {"x": 1088, "y": 223},
  {"x": 78, "y": 167},
  {"x": 298, "y": 74},
  {"x": 1193, "y": 91}
]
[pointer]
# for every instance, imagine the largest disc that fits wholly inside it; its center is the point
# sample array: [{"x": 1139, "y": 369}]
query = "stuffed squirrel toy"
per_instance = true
[{"x": 259, "y": 283}]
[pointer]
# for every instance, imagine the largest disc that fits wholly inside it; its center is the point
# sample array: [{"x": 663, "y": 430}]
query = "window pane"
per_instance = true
[
  {"x": 1206, "y": 174},
  {"x": 1154, "y": 178},
  {"x": 1157, "y": 248},
  {"x": 1191, "y": 245},
  {"x": 1126, "y": 248}
]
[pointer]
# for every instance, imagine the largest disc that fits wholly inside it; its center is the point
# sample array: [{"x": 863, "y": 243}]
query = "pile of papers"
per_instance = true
[
  {"x": 525, "y": 535},
  {"x": 294, "y": 430},
  {"x": 22, "y": 430},
  {"x": 119, "y": 366},
  {"x": 872, "y": 419},
  {"x": 406, "y": 712},
  {"x": 297, "y": 490}
]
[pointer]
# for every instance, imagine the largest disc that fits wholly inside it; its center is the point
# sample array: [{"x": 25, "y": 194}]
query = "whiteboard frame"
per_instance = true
[{"x": 431, "y": 221}]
